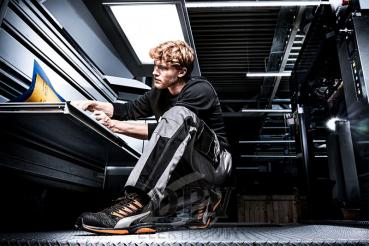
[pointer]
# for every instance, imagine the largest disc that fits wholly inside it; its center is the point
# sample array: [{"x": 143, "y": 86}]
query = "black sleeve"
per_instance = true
[
  {"x": 151, "y": 128},
  {"x": 198, "y": 97},
  {"x": 133, "y": 110}
]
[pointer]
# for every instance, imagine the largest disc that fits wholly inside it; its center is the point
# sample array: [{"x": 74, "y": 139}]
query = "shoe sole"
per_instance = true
[
  {"x": 139, "y": 229},
  {"x": 206, "y": 225}
]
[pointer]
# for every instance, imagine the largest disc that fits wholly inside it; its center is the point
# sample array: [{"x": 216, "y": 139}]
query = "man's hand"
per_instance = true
[
  {"x": 101, "y": 117},
  {"x": 136, "y": 130},
  {"x": 92, "y": 106}
]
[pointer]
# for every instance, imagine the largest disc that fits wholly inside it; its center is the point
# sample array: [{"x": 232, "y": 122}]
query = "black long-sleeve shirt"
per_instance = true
[{"x": 197, "y": 95}]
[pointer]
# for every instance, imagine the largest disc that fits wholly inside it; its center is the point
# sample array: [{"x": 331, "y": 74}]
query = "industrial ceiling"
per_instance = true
[{"x": 233, "y": 41}]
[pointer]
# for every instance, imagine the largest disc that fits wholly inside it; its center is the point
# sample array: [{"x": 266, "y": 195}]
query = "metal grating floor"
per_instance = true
[{"x": 229, "y": 236}]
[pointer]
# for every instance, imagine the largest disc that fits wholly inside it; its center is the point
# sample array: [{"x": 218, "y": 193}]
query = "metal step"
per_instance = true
[{"x": 223, "y": 236}]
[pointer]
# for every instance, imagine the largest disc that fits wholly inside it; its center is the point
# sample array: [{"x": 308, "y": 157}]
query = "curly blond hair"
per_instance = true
[{"x": 176, "y": 53}]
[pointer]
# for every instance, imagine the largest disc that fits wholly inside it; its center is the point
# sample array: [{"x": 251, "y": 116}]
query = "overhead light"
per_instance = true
[
  {"x": 232, "y": 4},
  {"x": 145, "y": 25},
  {"x": 269, "y": 74},
  {"x": 331, "y": 123}
]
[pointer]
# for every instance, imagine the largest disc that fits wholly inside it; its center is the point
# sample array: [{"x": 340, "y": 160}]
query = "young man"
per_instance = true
[{"x": 187, "y": 147}]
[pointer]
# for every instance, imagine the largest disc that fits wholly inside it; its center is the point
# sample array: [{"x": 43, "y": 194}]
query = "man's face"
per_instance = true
[{"x": 165, "y": 75}]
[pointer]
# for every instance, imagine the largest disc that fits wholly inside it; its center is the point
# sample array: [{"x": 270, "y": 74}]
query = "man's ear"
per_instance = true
[{"x": 182, "y": 72}]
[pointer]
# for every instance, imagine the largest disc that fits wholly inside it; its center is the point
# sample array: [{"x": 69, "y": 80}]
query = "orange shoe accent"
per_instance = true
[
  {"x": 145, "y": 230},
  {"x": 117, "y": 214},
  {"x": 203, "y": 226},
  {"x": 106, "y": 231},
  {"x": 216, "y": 205}
]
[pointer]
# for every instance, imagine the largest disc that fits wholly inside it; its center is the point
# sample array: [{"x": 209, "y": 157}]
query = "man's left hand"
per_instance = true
[{"x": 101, "y": 117}]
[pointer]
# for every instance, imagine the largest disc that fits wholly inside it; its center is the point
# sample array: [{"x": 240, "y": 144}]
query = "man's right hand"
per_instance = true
[{"x": 92, "y": 106}]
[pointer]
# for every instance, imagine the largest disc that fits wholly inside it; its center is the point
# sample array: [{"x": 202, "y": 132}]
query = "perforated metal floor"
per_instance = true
[{"x": 230, "y": 236}]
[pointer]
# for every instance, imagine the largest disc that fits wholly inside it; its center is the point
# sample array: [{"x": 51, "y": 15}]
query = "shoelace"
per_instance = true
[{"x": 121, "y": 202}]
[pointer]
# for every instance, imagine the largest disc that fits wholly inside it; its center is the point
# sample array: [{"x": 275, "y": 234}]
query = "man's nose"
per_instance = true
[{"x": 155, "y": 71}]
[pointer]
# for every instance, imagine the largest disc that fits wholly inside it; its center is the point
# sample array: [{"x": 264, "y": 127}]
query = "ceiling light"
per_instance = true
[
  {"x": 269, "y": 74},
  {"x": 331, "y": 123},
  {"x": 225, "y": 4},
  {"x": 147, "y": 24}
]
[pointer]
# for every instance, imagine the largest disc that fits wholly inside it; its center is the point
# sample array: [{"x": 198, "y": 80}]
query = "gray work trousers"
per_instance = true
[{"x": 182, "y": 150}]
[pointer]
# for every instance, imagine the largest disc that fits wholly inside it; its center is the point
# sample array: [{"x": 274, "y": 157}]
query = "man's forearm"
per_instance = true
[{"x": 132, "y": 129}]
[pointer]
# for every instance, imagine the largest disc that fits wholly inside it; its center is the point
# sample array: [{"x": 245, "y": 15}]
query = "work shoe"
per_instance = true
[
  {"x": 204, "y": 212},
  {"x": 126, "y": 216}
]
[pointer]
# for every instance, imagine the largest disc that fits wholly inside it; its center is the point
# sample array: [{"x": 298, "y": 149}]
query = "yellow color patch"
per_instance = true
[{"x": 42, "y": 92}]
